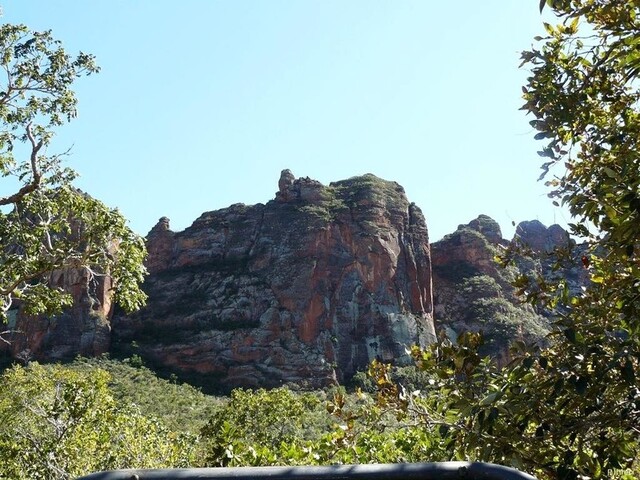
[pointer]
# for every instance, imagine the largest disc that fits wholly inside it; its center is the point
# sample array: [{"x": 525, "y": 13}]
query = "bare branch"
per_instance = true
[{"x": 36, "y": 175}]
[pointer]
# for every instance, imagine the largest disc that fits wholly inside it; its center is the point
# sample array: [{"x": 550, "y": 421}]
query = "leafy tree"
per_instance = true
[
  {"x": 179, "y": 406},
  {"x": 263, "y": 427},
  {"x": 45, "y": 223},
  {"x": 282, "y": 427},
  {"x": 60, "y": 423},
  {"x": 383, "y": 428},
  {"x": 583, "y": 91}
]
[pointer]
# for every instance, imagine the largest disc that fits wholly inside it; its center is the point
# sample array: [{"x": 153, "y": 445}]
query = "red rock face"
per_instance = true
[
  {"x": 308, "y": 288},
  {"x": 83, "y": 329},
  {"x": 159, "y": 246}
]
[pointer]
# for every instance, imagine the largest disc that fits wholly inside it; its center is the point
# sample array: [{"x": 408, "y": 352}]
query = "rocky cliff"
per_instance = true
[
  {"x": 473, "y": 292},
  {"x": 307, "y": 288},
  {"x": 82, "y": 329}
]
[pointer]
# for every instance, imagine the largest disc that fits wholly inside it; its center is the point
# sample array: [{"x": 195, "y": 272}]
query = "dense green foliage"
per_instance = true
[
  {"x": 500, "y": 318},
  {"x": 353, "y": 193},
  {"x": 179, "y": 406},
  {"x": 584, "y": 94},
  {"x": 261, "y": 427},
  {"x": 46, "y": 224},
  {"x": 59, "y": 423},
  {"x": 283, "y": 427},
  {"x": 96, "y": 414}
]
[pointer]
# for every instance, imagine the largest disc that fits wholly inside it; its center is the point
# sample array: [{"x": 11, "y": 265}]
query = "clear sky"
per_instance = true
[{"x": 201, "y": 103}]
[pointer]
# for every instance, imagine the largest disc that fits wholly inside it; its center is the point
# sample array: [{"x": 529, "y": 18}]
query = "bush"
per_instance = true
[{"x": 60, "y": 423}]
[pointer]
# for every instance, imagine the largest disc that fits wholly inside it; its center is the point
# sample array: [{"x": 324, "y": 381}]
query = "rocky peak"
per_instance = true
[
  {"x": 488, "y": 227},
  {"x": 159, "y": 228},
  {"x": 159, "y": 246},
  {"x": 535, "y": 235},
  {"x": 291, "y": 189},
  {"x": 469, "y": 250},
  {"x": 474, "y": 293},
  {"x": 416, "y": 217}
]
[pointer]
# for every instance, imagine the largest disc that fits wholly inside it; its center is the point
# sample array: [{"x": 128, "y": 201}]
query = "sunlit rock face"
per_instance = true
[{"x": 308, "y": 288}]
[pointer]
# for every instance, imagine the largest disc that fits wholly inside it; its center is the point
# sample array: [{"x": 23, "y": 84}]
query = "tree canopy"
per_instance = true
[
  {"x": 46, "y": 223},
  {"x": 59, "y": 423}
]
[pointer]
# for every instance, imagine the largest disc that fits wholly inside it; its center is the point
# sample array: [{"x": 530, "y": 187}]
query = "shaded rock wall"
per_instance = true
[
  {"x": 308, "y": 288},
  {"x": 83, "y": 329}
]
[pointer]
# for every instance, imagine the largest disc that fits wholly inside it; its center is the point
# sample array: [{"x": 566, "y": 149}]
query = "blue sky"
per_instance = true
[{"x": 201, "y": 103}]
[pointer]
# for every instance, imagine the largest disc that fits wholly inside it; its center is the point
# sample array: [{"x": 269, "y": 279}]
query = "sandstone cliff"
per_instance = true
[
  {"x": 473, "y": 292},
  {"x": 307, "y": 288},
  {"x": 82, "y": 329}
]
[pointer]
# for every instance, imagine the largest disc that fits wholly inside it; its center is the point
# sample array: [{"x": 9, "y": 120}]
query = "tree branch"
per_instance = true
[
  {"x": 23, "y": 279},
  {"x": 35, "y": 172}
]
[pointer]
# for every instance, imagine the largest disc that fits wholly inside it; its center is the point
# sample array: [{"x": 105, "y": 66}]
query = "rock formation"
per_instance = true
[
  {"x": 159, "y": 245},
  {"x": 539, "y": 238},
  {"x": 557, "y": 254},
  {"x": 307, "y": 288},
  {"x": 473, "y": 292},
  {"x": 82, "y": 329}
]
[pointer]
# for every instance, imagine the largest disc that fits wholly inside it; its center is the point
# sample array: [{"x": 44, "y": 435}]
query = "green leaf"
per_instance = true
[
  {"x": 574, "y": 24},
  {"x": 491, "y": 398}
]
